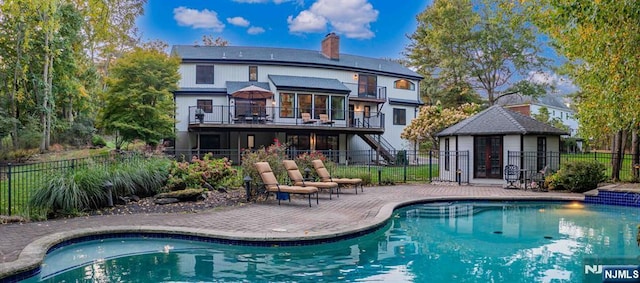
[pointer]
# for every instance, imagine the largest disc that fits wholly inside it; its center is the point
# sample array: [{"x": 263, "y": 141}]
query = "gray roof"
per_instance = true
[
  {"x": 289, "y": 56},
  {"x": 308, "y": 83},
  {"x": 496, "y": 120},
  {"x": 397, "y": 101},
  {"x": 234, "y": 86}
]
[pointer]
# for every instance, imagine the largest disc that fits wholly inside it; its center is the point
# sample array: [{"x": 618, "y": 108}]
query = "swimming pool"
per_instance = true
[{"x": 433, "y": 242}]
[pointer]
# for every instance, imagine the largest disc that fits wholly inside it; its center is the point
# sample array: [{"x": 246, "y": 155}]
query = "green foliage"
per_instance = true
[
  {"x": 139, "y": 102},
  {"x": 199, "y": 173},
  {"x": 463, "y": 45},
  {"x": 82, "y": 189},
  {"x": 78, "y": 133},
  {"x": 273, "y": 154},
  {"x": 141, "y": 177},
  {"x": 72, "y": 191},
  {"x": 577, "y": 176},
  {"x": 98, "y": 141},
  {"x": 304, "y": 161}
]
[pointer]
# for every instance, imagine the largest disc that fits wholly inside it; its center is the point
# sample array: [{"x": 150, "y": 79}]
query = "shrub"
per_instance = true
[
  {"x": 577, "y": 176},
  {"x": 199, "y": 173},
  {"x": 273, "y": 154},
  {"x": 82, "y": 188},
  {"x": 304, "y": 161},
  {"x": 71, "y": 191},
  {"x": 140, "y": 177},
  {"x": 98, "y": 141}
]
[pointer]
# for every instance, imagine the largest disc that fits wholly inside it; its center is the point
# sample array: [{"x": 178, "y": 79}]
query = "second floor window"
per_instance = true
[
  {"x": 404, "y": 84},
  {"x": 253, "y": 73},
  {"x": 367, "y": 85},
  {"x": 399, "y": 116},
  {"x": 204, "y": 74}
]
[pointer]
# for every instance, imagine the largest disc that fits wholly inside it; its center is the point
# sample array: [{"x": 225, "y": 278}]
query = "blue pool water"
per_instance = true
[{"x": 437, "y": 242}]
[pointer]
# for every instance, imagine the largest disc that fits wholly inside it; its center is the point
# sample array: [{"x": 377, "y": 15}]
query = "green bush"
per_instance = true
[
  {"x": 273, "y": 154},
  {"x": 577, "y": 176},
  {"x": 71, "y": 191},
  {"x": 304, "y": 161},
  {"x": 98, "y": 141},
  {"x": 199, "y": 173},
  {"x": 140, "y": 177},
  {"x": 82, "y": 189}
]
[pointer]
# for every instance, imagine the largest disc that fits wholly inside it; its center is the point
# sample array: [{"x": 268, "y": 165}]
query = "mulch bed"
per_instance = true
[{"x": 214, "y": 199}]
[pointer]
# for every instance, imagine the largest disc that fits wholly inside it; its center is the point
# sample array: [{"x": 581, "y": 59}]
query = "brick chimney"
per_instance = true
[{"x": 331, "y": 46}]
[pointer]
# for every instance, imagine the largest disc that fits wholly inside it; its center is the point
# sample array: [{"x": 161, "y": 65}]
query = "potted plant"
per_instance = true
[{"x": 200, "y": 115}]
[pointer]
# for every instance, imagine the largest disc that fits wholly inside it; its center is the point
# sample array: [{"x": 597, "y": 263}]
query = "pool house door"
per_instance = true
[{"x": 487, "y": 157}]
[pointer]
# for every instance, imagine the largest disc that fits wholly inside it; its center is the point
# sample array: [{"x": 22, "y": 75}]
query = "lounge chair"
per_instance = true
[
  {"x": 306, "y": 118},
  {"x": 296, "y": 177},
  {"x": 324, "y": 119},
  {"x": 324, "y": 175},
  {"x": 272, "y": 185}
]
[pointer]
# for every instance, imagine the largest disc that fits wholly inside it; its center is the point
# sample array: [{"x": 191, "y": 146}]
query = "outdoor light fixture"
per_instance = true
[{"x": 247, "y": 186}]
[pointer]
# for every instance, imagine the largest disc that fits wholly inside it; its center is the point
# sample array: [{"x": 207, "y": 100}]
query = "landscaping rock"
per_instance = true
[
  {"x": 184, "y": 195},
  {"x": 11, "y": 219},
  {"x": 163, "y": 201}
]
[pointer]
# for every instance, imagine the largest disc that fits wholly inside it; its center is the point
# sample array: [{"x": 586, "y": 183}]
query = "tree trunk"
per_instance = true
[
  {"x": 44, "y": 118},
  {"x": 616, "y": 156}
]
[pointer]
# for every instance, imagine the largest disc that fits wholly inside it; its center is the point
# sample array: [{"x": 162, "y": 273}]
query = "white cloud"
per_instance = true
[
  {"x": 238, "y": 21},
  {"x": 307, "y": 22},
  {"x": 204, "y": 19},
  {"x": 351, "y": 18},
  {"x": 561, "y": 84},
  {"x": 255, "y": 30}
]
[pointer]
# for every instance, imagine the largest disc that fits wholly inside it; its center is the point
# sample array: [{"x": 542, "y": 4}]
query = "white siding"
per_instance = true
[{"x": 236, "y": 72}]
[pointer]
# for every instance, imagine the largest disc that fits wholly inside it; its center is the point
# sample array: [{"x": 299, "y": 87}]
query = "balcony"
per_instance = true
[
  {"x": 221, "y": 117},
  {"x": 380, "y": 96}
]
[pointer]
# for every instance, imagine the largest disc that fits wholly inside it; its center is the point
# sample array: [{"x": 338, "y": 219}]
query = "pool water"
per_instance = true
[{"x": 436, "y": 242}]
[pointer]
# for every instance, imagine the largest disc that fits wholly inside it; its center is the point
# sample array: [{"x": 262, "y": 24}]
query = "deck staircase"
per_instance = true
[{"x": 386, "y": 149}]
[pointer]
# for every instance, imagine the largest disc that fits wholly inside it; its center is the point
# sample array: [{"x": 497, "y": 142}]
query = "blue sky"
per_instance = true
[{"x": 372, "y": 28}]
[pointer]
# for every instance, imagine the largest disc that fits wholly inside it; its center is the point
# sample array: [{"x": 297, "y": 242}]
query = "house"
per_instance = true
[
  {"x": 556, "y": 106},
  {"x": 477, "y": 149},
  {"x": 231, "y": 98}
]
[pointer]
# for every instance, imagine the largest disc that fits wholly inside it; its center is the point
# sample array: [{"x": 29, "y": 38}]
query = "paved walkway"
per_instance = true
[{"x": 22, "y": 246}]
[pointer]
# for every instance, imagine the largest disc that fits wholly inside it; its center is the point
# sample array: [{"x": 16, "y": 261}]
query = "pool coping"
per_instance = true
[{"x": 31, "y": 257}]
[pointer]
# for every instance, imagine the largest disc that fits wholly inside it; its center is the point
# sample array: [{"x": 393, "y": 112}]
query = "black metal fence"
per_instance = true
[
  {"x": 18, "y": 181},
  {"x": 533, "y": 161}
]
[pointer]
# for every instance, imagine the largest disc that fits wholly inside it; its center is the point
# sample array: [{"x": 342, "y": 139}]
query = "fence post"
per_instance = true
[
  {"x": 9, "y": 188},
  {"x": 405, "y": 161},
  {"x": 430, "y": 166}
]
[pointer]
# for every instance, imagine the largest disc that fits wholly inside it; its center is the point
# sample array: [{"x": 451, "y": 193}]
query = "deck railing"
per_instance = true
[{"x": 272, "y": 115}]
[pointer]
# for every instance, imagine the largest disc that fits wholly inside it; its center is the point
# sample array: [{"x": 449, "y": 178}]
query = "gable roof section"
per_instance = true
[
  {"x": 294, "y": 83},
  {"x": 289, "y": 56},
  {"x": 496, "y": 120}
]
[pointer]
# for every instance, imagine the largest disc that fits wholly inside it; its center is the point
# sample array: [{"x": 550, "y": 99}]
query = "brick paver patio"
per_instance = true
[{"x": 22, "y": 245}]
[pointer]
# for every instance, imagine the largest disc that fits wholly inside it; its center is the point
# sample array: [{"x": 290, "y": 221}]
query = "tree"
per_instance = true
[
  {"x": 432, "y": 119},
  {"x": 139, "y": 100},
  {"x": 600, "y": 41},
  {"x": 208, "y": 40},
  {"x": 544, "y": 116},
  {"x": 481, "y": 45}
]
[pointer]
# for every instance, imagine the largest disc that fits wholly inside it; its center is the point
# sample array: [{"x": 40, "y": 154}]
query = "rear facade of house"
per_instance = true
[{"x": 234, "y": 98}]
